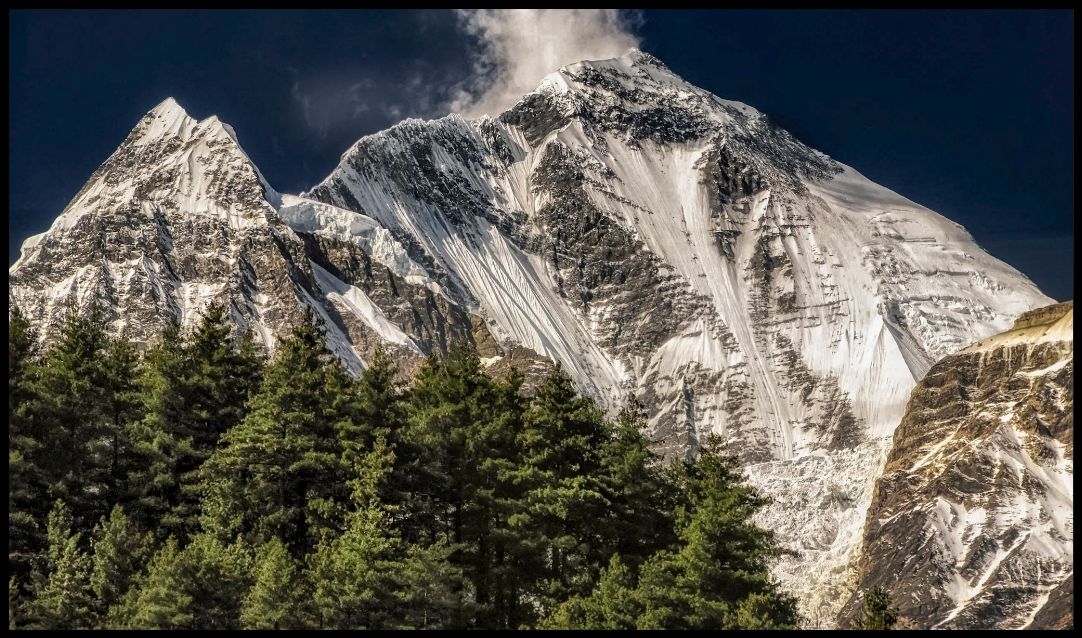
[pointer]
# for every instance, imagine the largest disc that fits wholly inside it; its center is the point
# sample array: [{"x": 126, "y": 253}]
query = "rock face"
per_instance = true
[
  {"x": 649, "y": 236},
  {"x": 971, "y": 524}
]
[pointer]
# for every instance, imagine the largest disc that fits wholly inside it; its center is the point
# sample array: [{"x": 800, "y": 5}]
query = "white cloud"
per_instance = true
[{"x": 519, "y": 47}]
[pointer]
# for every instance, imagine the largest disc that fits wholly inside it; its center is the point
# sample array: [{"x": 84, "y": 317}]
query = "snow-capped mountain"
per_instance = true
[
  {"x": 179, "y": 216},
  {"x": 650, "y": 236},
  {"x": 653, "y": 237},
  {"x": 972, "y": 522}
]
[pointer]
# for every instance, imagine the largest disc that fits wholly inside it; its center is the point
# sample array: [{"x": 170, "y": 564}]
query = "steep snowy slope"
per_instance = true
[
  {"x": 655, "y": 238},
  {"x": 972, "y": 522}
]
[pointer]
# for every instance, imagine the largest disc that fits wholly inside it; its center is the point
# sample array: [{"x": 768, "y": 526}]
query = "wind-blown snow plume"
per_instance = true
[{"x": 521, "y": 46}]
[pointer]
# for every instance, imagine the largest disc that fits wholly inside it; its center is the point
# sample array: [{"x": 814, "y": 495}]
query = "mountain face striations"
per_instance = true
[{"x": 652, "y": 238}]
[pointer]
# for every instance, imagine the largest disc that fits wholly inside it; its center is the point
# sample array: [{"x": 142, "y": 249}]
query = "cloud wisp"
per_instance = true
[
  {"x": 519, "y": 47},
  {"x": 487, "y": 61}
]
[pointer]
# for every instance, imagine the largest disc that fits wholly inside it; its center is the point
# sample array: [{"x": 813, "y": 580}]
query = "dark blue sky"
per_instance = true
[{"x": 968, "y": 113}]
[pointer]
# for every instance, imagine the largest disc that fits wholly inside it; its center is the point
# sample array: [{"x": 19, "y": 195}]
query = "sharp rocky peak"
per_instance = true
[
  {"x": 169, "y": 120},
  {"x": 638, "y": 78}
]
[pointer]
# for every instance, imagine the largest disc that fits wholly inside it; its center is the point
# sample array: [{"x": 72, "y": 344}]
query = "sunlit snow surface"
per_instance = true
[{"x": 886, "y": 286}]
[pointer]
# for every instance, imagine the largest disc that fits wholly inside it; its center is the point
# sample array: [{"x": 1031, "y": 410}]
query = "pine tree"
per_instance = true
[
  {"x": 614, "y": 603},
  {"x": 417, "y": 480},
  {"x": 424, "y": 583},
  {"x": 156, "y": 439},
  {"x": 562, "y": 438},
  {"x": 158, "y": 600},
  {"x": 715, "y": 577},
  {"x": 368, "y": 579},
  {"x": 464, "y": 425},
  {"x": 194, "y": 389},
  {"x": 766, "y": 610},
  {"x": 62, "y": 597},
  {"x": 122, "y": 410},
  {"x": 216, "y": 576},
  {"x": 278, "y": 598},
  {"x": 201, "y": 586},
  {"x": 22, "y": 353},
  {"x": 878, "y": 612},
  {"x": 352, "y": 575},
  {"x": 638, "y": 520},
  {"x": 222, "y": 373},
  {"x": 503, "y": 551},
  {"x": 382, "y": 414},
  {"x": 722, "y": 559},
  {"x": 120, "y": 552},
  {"x": 380, "y": 402},
  {"x": 72, "y": 399},
  {"x": 248, "y": 366},
  {"x": 280, "y": 472},
  {"x": 26, "y": 483}
]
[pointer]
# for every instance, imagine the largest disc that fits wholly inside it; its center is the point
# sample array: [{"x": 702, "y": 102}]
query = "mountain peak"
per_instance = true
[
  {"x": 633, "y": 63},
  {"x": 167, "y": 119},
  {"x": 168, "y": 107},
  {"x": 634, "y": 55},
  {"x": 638, "y": 97}
]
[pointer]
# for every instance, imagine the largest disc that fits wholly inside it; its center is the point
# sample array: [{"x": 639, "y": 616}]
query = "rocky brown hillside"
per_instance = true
[{"x": 971, "y": 523}]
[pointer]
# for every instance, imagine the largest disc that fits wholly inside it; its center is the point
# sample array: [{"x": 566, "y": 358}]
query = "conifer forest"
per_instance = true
[{"x": 202, "y": 485}]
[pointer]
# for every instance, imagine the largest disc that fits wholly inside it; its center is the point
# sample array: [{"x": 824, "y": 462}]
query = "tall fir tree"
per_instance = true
[
  {"x": 464, "y": 425},
  {"x": 222, "y": 373},
  {"x": 381, "y": 414},
  {"x": 216, "y": 576},
  {"x": 62, "y": 597},
  {"x": 281, "y": 472},
  {"x": 352, "y": 575},
  {"x": 201, "y": 586},
  {"x": 280, "y": 596},
  {"x": 380, "y": 410},
  {"x": 26, "y": 482},
  {"x": 158, "y": 598},
  {"x": 715, "y": 577},
  {"x": 722, "y": 558},
  {"x": 156, "y": 437},
  {"x": 122, "y": 411},
  {"x": 120, "y": 553},
  {"x": 614, "y": 605},
  {"x": 641, "y": 498},
  {"x": 562, "y": 439},
  {"x": 424, "y": 583},
  {"x": 73, "y": 412},
  {"x": 195, "y": 389},
  {"x": 368, "y": 578},
  {"x": 503, "y": 553}
]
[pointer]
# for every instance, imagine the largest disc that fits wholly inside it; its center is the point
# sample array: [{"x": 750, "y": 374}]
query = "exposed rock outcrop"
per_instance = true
[{"x": 971, "y": 524}]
